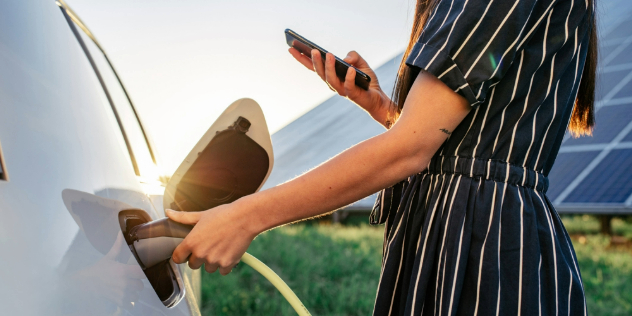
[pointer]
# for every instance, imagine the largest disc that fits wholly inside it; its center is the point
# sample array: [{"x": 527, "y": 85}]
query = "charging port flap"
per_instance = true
[{"x": 231, "y": 160}]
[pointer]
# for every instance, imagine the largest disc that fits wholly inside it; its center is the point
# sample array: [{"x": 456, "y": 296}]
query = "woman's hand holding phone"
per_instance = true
[{"x": 373, "y": 100}]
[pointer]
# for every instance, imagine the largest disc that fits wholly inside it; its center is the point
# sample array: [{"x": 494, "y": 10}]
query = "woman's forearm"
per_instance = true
[{"x": 356, "y": 173}]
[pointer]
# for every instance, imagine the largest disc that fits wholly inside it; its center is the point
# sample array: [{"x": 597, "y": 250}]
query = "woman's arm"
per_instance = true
[{"x": 222, "y": 234}]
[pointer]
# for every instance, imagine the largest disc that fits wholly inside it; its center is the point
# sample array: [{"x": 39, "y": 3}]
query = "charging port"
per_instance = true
[{"x": 164, "y": 276}]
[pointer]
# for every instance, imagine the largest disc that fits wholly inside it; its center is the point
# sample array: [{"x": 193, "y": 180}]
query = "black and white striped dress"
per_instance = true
[{"x": 475, "y": 234}]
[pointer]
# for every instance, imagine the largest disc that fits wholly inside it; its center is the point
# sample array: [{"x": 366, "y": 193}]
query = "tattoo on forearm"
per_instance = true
[{"x": 445, "y": 131}]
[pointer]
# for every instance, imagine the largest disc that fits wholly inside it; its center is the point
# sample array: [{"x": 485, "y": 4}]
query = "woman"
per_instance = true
[{"x": 484, "y": 95}]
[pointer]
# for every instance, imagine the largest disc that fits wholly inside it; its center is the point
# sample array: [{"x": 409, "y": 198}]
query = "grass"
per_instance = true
[
  {"x": 334, "y": 270},
  {"x": 605, "y": 263},
  {"x": 586, "y": 224},
  {"x": 607, "y": 275}
]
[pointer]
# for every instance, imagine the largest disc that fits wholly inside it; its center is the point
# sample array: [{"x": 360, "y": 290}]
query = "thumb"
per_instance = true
[
  {"x": 188, "y": 218},
  {"x": 355, "y": 59}
]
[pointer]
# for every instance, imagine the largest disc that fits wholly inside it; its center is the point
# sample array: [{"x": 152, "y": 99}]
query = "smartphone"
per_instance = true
[{"x": 304, "y": 46}]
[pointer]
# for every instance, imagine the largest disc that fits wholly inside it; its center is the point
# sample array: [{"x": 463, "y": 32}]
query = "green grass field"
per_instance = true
[{"x": 334, "y": 270}]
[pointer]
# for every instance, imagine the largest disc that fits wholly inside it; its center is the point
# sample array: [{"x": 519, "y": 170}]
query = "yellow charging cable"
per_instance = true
[{"x": 277, "y": 282}]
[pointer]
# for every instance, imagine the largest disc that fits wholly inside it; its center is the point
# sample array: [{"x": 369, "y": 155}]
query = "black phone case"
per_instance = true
[{"x": 305, "y": 46}]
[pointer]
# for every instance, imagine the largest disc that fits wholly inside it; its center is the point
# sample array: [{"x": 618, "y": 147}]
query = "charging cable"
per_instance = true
[{"x": 277, "y": 282}]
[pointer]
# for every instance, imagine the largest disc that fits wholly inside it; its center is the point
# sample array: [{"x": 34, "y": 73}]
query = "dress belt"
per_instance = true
[
  {"x": 489, "y": 169},
  {"x": 495, "y": 170}
]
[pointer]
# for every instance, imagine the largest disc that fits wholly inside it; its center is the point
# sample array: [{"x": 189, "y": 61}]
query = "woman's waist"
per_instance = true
[{"x": 488, "y": 169}]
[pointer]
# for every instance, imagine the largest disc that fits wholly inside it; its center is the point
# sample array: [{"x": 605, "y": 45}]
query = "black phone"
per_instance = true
[{"x": 304, "y": 46}]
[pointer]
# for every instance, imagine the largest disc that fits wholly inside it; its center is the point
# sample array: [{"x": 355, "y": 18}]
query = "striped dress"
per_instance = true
[{"x": 475, "y": 234}]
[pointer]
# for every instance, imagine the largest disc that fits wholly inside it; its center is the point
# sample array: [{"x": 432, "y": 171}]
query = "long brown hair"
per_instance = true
[{"x": 583, "y": 116}]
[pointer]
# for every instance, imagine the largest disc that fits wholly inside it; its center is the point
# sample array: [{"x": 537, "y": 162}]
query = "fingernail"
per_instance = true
[{"x": 169, "y": 211}]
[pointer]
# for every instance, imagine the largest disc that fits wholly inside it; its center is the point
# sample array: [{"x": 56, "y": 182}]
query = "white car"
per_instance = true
[{"x": 77, "y": 167}]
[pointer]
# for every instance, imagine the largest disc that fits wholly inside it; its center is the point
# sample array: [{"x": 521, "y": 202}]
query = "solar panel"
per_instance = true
[
  {"x": 610, "y": 121},
  {"x": 606, "y": 81},
  {"x": 566, "y": 168},
  {"x": 609, "y": 182},
  {"x": 622, "y": 59},
  {"x": 626, "y": 91},
  {"x": 621, "y": 31}
]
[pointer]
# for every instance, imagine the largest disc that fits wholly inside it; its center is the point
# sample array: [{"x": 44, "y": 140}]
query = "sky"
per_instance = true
[{"x": 183, "y": 62}]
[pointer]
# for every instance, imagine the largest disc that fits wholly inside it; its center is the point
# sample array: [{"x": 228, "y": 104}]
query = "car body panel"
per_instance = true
[{"x": 58, "y": 132}]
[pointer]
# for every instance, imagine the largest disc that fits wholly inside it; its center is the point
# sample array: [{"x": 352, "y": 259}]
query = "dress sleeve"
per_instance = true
[{"x": 470, "y": 44}]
